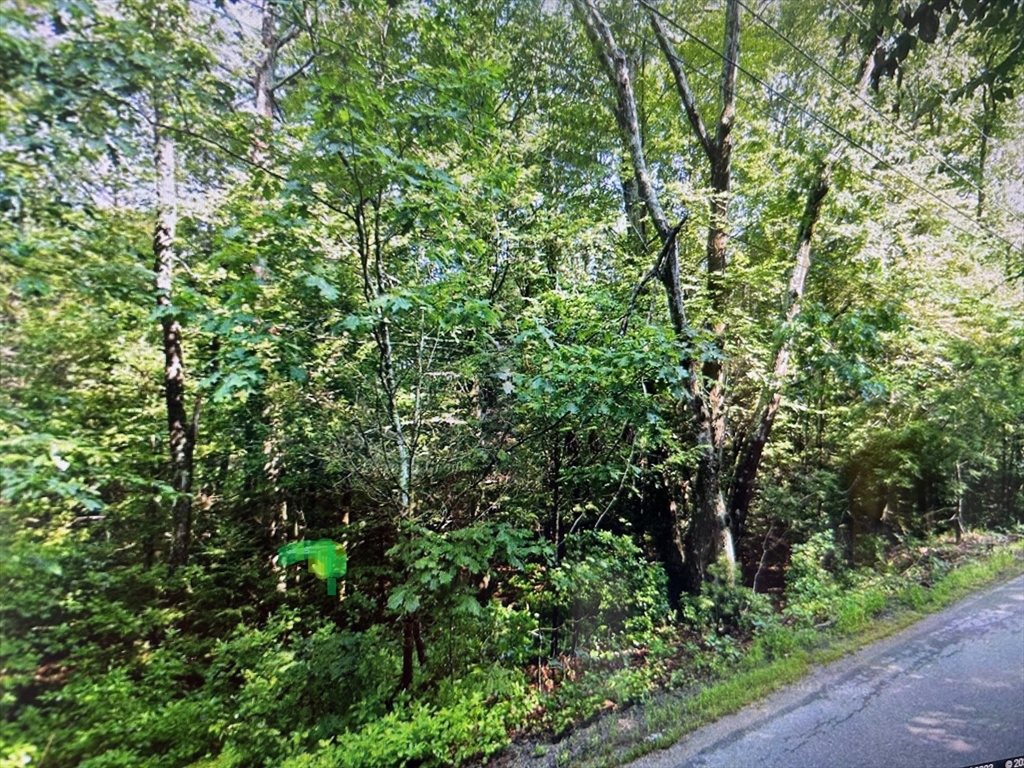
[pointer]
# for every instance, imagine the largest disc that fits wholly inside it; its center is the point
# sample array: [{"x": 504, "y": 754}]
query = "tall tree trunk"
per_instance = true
[
  {"x": 666, "y": 267},
  {"x": 181, "y": 432},
  {"x": 711, "y": 534},
  {"x": 708, "y": 534},
  {"x": 371, "y": 248},
  {"x": 750, "y": 457},
  {"x": 720, "y": 158},
  {"x": 264, "y": 82}
]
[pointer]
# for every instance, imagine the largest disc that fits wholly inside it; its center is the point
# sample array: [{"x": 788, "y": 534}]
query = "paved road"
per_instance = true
[{"x": 945, "y": 693}]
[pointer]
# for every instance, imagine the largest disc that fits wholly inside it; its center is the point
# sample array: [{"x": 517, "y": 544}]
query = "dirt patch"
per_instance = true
[{"x": 594, "y": 743}]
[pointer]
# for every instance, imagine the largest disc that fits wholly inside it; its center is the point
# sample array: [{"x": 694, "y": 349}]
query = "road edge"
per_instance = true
[
  {"x": 667, "y": 717},
  {"x": 736, "y": 691}
]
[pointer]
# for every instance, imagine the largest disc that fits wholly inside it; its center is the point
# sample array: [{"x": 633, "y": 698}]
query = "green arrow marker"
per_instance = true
[{"x": 326, "y": 559}]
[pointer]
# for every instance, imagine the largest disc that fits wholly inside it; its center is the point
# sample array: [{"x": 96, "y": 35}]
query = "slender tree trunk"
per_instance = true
[
  {"x": 708, "y": 534},
  {"x": 371, "y": 248},
  {"x": 750, "y": 457},
  {"x": 721, "y": 163},
  {"x": 413, "y": 648},
  {"x": 264, "y": 83},
  {"x": 181, "y": 432},
  {"x": 958, "y": 519},
  {"x": 988, "y": 105}
]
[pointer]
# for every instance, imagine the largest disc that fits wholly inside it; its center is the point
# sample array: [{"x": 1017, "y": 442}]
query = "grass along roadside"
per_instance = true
[{"x": 784, "y": 652}]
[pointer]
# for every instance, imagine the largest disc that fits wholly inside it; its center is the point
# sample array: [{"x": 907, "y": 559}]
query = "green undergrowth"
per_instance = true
[
  {"x": 627, "y": 676},
  {"x": 826, "y": 618}
]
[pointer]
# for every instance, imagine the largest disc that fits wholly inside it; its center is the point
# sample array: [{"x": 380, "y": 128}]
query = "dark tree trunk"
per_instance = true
[
  {"x": 661, "y": 516},
  {"x": 750, "y": 456},
  {"x": 408, "y": 644},
  {"x": 180, "y": 430},
  {"x": 708, "y": 533},
  {"x": 412, "y": 647}
]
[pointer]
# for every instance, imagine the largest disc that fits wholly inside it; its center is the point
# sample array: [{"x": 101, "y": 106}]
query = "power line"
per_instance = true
[
  {"x": 853, "y": 12},
  {"x": 844, "y": 136},
  {"x": 782, "y": 122},
  {"x": 891, "y": 123},
  {"x": 712, "y": 79},
  {"x": 840, "y": 134}
]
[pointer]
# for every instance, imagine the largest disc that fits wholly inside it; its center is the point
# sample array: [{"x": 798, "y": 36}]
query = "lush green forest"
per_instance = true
[{"x": 603, "y": 339}]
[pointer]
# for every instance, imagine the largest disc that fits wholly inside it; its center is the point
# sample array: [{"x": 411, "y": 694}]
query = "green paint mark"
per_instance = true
[{"x": 326, "y": 559}]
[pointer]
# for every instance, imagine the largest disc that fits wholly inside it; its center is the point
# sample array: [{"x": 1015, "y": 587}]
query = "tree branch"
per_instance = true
[
  {"x": 750, "y": 457},
  {"x": 686, "y": 95},
  {"x": 655, "y": 271},
  {"x": 617, "y": 68}
]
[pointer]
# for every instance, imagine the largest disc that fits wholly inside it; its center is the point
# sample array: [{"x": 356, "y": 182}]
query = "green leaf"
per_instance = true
[{"x": 328, "y": 291}]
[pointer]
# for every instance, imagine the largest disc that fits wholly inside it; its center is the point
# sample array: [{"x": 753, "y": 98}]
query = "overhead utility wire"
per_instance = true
[
  {"x": 978, "y": 130},
  {"x": 888, "y": 121},
  {"x": 845, "y": 137},
  {"x": 713, "y": 80},
  {"x": 853, "y": 12},
  {"x": 782, "y": 122}
]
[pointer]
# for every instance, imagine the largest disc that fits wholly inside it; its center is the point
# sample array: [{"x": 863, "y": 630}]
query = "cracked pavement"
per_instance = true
[{"x": 947, "y": 692}]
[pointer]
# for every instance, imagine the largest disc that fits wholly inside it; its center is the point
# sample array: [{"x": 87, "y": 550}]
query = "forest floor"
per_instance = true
[{"x": 925, "y": 578}]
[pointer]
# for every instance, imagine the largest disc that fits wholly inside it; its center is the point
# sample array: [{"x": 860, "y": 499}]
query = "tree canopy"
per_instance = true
[{"x": 555, "y": 317}]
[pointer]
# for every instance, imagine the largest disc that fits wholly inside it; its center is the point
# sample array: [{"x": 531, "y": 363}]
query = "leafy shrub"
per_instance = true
[
  {"x": 812, "y": 589},
  {"x": 602, "y": 588},
  {"x": 281, "y": 689},
  {"x": 438, "y": 566},
  {"x": 122, "y": 717},
  {"x": 726, "y": 608},
  {"x": 513, "y": 634},
  {"x": 17, "y": 755},
  {"x": 474, "y": 725}
]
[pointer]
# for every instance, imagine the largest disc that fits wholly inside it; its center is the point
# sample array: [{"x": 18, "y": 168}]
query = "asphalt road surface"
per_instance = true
[{"x": 945, "y": 693}]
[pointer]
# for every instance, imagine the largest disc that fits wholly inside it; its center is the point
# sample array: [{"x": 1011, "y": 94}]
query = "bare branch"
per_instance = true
[
  {"x": 655, "y": 272},
  {"x": 292, "y": 75},
  {"x": 682, "y": 86},
  {"x": 616, "y": 66}
]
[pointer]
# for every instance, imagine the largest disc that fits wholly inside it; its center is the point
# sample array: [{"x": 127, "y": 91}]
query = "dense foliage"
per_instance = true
[{"x": 544, "y": 312}]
